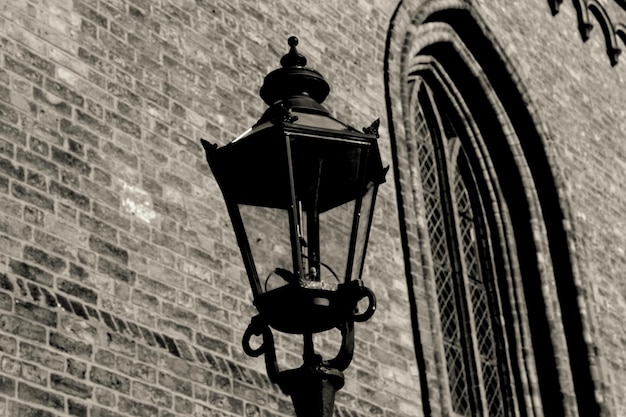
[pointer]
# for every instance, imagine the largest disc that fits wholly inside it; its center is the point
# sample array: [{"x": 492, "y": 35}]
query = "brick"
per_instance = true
[
  {"x": 169, "y": 242},
  {"x": 76, "y": 368},
  {"x": 34, "y": 373},
  {"x": 205, "y": 258},
  {"x": 136, "y": 408},
  {"x": 37, "y": 181},
  {"x": 36, "y": 61},
  {"x": 116, "y": 271},
  {"x": 64, "y": 303},
  {"x": 152, "y": 95},
  {"x": 44, "y": 357},
  {"x": 45, "y": 133},
  {"x": 76, "y": 148},
  {"x": 177, "y": 313},
  {"x": 64, "y": 92},
  {"x": 89, "y": 29},
  {"x": 8, "y": 113},
  {"x": 94, "y": 124},
  {"x": 90, "y": 14},
  {"x": 7, "y": 385},
  {"x": 36, "y": 395},
  {"x": 154, "y": 395},
  {"x": 76, "y": 409},
  {"x": 6, "y": 283},
  {"x": 86, "y": 294},
  {"x": 23, "y": 70},
  {"x": 226, "y": 402},
  {"x": 175, "y": 182},
  {"x": 105, "y": 358},
  {"x": 108, "y": 320},
  {"x": 51, "y": 102},
  {"x": 33, "y": 312},
  {"x": 23, "y": 410},
  {"x": 69, "y": 345},
  {"x": 50, "y": 299},
  {"x": 109, "y": 379},
  {"x": 104, "y": 194},
  {"x": 38, "y": 163},
  {"x": 6, "y": 302},
  {"x": 35, "y": 292},
  {"x": 144, "y": 299},
  {"x": 121, "y": 344},
  {"x": 79, "y": 309},
  {"x": 121, "y": 154},
  {"x": 70, "y": 179},
  {"x": 70, "y": 161},
  {"x": 153, "y": 286},
  {"x": 97, "y": 227},
  {"x": 108, "y": 249},
  {"x": 67, "y": 194},
  {"x": 38, "y": 146},
  {"x": 79, "y": 133},
  {"x": 175, "y": 384},
  {"x": 70, "y": 386},
  {"x": 109, "y": 215},
  {"x": 123, "y": 124},
  {"x": 12, "y": 133},
  {"x": 6, "y": 148},
  {"x": 212, "y": 344},
  {"x": 8, "y": 168},
  {"x": 34, "y": 216},
  {"x": 103, "y": 412},
  {"x": 13, "y": 227},
  {"x": 31, "y": 272},
  {"x": 221, "y": 330},
  {"x": 54, "y": 244},
  {"x": 42, "y": 258},
  {"x": 33, "y": 197},
  {"x": 106, "y": 398},
  {"x": 78, "y": 272},
  {"x": 125, "y": 94}
]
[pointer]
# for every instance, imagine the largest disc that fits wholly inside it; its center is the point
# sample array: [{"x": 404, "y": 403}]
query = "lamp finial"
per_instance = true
[{"x": 293, "y": 58}]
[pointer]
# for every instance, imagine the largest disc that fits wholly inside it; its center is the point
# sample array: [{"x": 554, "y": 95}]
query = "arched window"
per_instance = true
[
  {"x": 462, "y": 264},
  {"x": 498, "y": 323}
]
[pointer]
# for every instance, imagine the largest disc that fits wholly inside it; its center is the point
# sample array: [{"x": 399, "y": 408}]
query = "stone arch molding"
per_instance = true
[
  {"x": 585, "y": 10},
  {"x": 418, "y": 30}
]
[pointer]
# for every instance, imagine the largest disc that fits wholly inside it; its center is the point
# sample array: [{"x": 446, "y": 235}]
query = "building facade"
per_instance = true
[{"x": 497, "y": 249}]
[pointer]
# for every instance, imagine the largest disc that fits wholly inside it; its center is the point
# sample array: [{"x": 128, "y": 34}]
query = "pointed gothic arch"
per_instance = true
[{"x": 451, "y": 92}]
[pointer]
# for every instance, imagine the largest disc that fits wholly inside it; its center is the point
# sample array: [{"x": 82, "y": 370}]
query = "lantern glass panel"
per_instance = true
[
  {"x": 335, "y": 226},
  {"x": 267, "y": 232},
  {"x": 363, "y": 224},
  {"x": 328, "y": 177}
]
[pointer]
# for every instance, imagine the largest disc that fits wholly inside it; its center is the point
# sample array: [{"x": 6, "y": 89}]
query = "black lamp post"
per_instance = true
[{"x": 300, "y": 188}]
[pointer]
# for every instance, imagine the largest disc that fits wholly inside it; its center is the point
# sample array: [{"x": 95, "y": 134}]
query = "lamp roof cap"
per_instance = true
[{"x": 293, "y": 79}]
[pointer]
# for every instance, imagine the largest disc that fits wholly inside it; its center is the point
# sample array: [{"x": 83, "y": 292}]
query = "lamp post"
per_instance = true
[{"x": 300, "y": 188}]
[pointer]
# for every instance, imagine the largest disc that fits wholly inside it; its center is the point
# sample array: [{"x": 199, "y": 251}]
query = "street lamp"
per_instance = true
[{"x": 300, "y": 188}]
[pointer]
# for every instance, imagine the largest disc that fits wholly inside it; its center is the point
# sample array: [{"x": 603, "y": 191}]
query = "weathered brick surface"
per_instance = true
[{"x": 121, "y": 288}]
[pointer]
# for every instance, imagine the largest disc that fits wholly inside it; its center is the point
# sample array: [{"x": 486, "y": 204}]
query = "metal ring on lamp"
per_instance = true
[{"x": 371, "y": 308}]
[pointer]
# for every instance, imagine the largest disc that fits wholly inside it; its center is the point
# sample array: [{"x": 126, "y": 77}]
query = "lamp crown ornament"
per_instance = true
[
  {"x": 293, "y": 58},
  {"x": 300, "y": 188},
  {"x": 294, "y": 79}
]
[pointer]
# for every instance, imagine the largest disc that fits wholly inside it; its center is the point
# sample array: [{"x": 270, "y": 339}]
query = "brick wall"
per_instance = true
[
  {"x": 121, "y": 287},
  {"x": 581, "y": 100},
  {"x": 122, "y": 292}
]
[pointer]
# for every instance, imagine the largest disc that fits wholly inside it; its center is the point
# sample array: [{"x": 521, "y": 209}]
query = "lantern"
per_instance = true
[{"x": 300, "y": 188}]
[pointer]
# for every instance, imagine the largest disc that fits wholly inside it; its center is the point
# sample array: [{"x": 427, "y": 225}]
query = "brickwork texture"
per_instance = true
[{"x": 122, "y": 291}]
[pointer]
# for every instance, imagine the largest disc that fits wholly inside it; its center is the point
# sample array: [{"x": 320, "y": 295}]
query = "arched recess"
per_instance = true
[{"x": 444, "y": 47}]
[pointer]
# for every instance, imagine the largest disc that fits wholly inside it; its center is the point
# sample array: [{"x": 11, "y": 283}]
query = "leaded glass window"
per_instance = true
[{"x": 462, "y": 265}]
